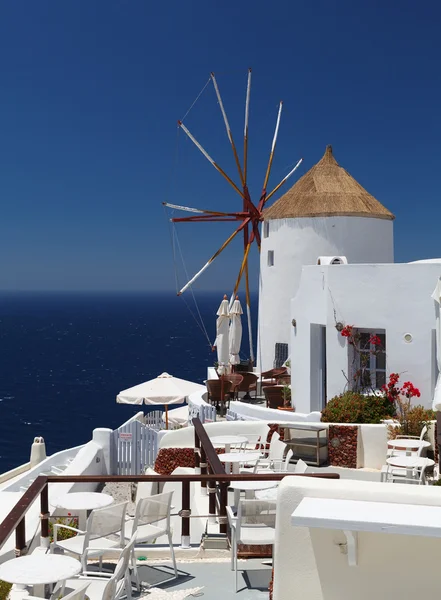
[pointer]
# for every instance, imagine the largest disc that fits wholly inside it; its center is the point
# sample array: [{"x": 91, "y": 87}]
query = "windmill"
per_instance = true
[{"x": 247, "y": 219}]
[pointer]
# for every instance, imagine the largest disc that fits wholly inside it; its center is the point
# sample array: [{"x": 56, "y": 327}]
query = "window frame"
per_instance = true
[{"x": 355, "y": 361}]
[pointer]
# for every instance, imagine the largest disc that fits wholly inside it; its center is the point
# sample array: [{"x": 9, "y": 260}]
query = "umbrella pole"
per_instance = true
[{"x": 166, "y": 416}]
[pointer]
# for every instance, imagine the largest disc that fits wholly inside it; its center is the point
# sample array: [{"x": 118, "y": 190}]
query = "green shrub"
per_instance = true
[
  {"x": 4, "y": 589},
  {"x": 412, "y": 419},
  {"x": 353, "y": 407},
  {"x": 63, "y": 534}
]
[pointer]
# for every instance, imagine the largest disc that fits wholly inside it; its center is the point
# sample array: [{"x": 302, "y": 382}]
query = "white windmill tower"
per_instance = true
[{"x": 326, "y": 213}]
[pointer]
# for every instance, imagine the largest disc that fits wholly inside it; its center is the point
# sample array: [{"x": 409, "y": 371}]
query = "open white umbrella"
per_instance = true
[
  {"x": 235, "y": 331},
  {"x": 437, "y": 297},
  {"x": 222, "y": 334},
  {"x": 163, "y": 390}
]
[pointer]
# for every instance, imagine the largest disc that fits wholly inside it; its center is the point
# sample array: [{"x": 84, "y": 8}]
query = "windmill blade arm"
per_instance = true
[
  {"x": 201, "y": 211},
  {"x": 284, "y": 180},
  {"x": 213, "y": 258},
  {"x": 185, "y": 208},
  {"x": 210, "y": 160},
  {"x": 208, "y": 219}
]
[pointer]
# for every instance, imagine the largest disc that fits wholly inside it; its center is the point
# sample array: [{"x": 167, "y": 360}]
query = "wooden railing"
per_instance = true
[{"x": 212, "y": 474}]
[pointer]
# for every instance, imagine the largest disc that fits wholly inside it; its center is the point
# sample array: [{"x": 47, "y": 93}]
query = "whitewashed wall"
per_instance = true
[
  {"x": 394, "y": 297},
  {"x": 299, "y": 242},
  {"x": 309, "y": 563}
]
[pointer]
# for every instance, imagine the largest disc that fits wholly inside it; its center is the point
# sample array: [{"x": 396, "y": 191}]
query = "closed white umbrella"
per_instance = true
[
  {"x": 437, "y": 297},
  {"x": 163, "y": 390},
  {"x": 235, "y": 331},
  {"x": 222, "y": 334}
]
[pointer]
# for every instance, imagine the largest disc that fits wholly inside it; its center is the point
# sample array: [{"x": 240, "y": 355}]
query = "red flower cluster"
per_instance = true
[
  {"x": 409, "y": 390},
  {"x": 347, "y": 331},
  {"x": 393, "y": 392},
  {"x": 375, "y": 340}
]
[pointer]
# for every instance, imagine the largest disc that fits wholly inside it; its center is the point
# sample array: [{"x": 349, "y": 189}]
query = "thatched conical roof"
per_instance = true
[{"x": 327, "y": 190}]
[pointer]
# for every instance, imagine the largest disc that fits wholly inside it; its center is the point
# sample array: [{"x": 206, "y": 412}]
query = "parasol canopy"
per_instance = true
[
  {"x": 235, "y": 331},
  {"x": 437, "y": 297},
  {"x": 223, "y": 333},
  {"x": 164, "y": 389}
]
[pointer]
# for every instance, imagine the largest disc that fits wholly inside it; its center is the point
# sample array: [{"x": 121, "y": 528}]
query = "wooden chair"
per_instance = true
[
  {"x": 236, "y": 380},
  {"x": 217, "y": 387},
  {"x": 270, "y": 377},
  {"x": 249, "y": 382},
  {"x": 273, "y": 396}
]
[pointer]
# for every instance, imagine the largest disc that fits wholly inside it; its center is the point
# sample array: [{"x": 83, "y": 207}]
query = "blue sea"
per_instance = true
[{"x": 64, "y": 358}]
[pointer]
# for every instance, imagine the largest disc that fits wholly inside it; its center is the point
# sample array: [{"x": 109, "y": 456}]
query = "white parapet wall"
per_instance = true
[
  {"x": 272, "y": 415},
  {"x": 313, "y": 563},
  {"x": 184, "y": 438},
  {"x": 88, "y": 459}
]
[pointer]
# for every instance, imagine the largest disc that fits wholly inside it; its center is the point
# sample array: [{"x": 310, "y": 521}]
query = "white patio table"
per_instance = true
[
  {"x": 227, "y": 440},
  {"x": 236, "y": 458},
  {"x": 408, "y": 444},
  {"x": 250, "y": 486},
  {"x": 409, "y": 463},
  {"x": 39, "y": 569},
  {"x": 82, "y": 502}
]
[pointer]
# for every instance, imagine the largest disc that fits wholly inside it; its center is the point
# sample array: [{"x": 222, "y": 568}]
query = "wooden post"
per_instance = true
[
  {"x": 223, "y": 502},
  {"x": 20, "y": 538},
  {"x": 185, "y": 515},
  {"x": 203, "y": 464},
  {"x": 44, "y": 516},
  {"x": 197, "y": 452},
  {"x": 211, "y": 498}
]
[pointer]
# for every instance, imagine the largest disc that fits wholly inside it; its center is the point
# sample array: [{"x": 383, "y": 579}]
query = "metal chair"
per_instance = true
[
  {"x": 151, "y": 521},
  {"x": 219, "y": 393},
  {"x": 255, "y": 525},
  {"x": 270, "y": 377},
  {"x": 94, "y": 542},
  {"x": 236, "y": 379},
  {"x": 249, "y": 383},
  {"x": 105, "y": 586}
]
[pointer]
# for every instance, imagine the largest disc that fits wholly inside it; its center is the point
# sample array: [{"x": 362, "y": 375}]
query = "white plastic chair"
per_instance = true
[
  {"x": 388, "y": 470},
  {"x": 254, "y": 526},
  {"x": 301, "y": 466},
  {"x": 278, "y": 467},
  {"x": 417, "y": 476},
  {"x": 395, "y": 452},
  {"x": 151, "y": 521},
  {"x": 103, "y": 586},
  {"x": 102, "y": 522},
  {"x": 275, "y": 456},
  {"x": 77, "y": 594}
]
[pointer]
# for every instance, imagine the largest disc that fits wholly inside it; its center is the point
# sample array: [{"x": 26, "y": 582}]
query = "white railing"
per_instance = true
[
  {"x": 154, "y": 420},
  {"x": 134, "y": 447},
  {"x": 205, "y": 412}
]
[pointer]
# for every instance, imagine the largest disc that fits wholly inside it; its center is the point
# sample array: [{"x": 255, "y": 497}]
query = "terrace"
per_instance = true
[{"x": 199, "y": 510}]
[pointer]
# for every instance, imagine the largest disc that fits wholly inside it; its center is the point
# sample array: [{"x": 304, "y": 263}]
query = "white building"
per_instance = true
[
  {"x": 390, "y": 300},
  {"x": 326, "y": 213}
]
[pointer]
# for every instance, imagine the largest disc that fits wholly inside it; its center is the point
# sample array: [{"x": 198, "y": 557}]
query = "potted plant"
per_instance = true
[{"x": 286, "y": 395}]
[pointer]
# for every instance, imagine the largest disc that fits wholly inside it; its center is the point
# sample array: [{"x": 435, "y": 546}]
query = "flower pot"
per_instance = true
[{"x": 286, "y": 408}]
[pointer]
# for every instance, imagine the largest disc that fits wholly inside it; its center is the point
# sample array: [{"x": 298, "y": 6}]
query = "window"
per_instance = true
[
  {"x": 265, "y": 229},
  {"x": 270, "y": 258},
  {"x": 368, "y": 359}
]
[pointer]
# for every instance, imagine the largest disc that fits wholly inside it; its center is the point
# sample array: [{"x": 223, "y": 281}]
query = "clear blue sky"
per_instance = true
[{"x": 91, "y": 91}]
